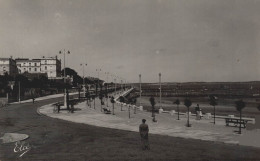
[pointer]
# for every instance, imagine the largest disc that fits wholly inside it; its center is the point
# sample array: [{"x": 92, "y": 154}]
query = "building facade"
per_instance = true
[
  {"x": 29, "y": 66},
  {"x": 49, "y": 65},
  {"x": 8, "y": 65}
]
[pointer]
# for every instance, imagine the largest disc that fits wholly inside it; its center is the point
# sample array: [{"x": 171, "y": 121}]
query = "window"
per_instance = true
[
  {"x": 35, "y": 69},
  {"x": 45, "y": 67},
  {"x": 35, "y": 64},
  {"x": 29, "y": 64},
  {"x": 29, "y": 69},
  {"x": 24, "y": 69}
]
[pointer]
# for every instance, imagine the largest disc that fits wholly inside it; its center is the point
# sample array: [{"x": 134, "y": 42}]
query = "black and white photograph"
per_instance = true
[{"x": 130, "y": 80}]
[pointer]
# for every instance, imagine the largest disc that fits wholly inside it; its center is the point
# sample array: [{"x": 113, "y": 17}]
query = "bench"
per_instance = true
[
  {"x": 106, "y": 111},
  {"x": 165, "y": 111},
  {"x": 236, "y": 121}
]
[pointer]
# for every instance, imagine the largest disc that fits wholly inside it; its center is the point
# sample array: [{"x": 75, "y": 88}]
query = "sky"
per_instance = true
[{"x": 185, "y": 40}]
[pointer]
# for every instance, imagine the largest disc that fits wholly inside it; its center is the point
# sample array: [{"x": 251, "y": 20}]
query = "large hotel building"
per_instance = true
[{"x": 49, "y": 65}]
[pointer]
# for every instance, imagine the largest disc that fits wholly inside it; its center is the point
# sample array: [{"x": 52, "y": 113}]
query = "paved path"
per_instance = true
[
  {"x": 167, "y": 125},
  {"x": 44, "y": 98}
]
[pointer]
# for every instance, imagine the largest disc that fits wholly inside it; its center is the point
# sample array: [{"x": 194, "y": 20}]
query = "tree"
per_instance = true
[
  {"x": 239, "y": 106},
  {"x": 213, "y": 102},
  {"x": 188, "y": 103},
  {"x": 177, "y": 102},
  {"x": 152, "y": 101},
  {"x": 122, "y": 100},
  {"x": 112, "y": 101},
  {"x": 72, "y": 73}
]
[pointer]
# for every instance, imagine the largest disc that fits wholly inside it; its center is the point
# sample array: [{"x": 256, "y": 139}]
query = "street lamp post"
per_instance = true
[
  {"x": 98, "y": 70},
  {"x": 115, "y": 85},
  {"x": 121, "y": 84},
  {"x": 84, "y": 86},
  {"x": 19, "y": 83},
  {"x": 125, "y": 84},
  {"x": 160, "y": 90},
  {"x": 107, "y": 87},
  {"x": 140, "y": 88},
  {"x": 64, "y": 52}
]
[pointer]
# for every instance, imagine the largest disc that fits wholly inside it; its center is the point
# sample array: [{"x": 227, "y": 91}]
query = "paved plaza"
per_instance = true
[{"x": 166, "y": 124}]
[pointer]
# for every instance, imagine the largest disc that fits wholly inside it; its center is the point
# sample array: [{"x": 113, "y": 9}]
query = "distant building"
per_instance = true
[
  {"x": 30, "y": 66},
  {"x": 49, "y": 65},
  {"x": 8, "y": 65}
]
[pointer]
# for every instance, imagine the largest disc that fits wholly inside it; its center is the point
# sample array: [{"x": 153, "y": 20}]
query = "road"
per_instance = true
[{"x": 53, "y": 139}]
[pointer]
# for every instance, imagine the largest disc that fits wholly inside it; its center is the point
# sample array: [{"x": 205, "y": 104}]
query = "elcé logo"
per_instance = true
[{"x": 22, "y": 147}]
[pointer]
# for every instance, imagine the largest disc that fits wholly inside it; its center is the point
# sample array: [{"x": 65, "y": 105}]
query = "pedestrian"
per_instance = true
[
  {"x": 143, "y": 130},
  {"x": 33, "y": 99},
  {"x": 197, "y": 111}
]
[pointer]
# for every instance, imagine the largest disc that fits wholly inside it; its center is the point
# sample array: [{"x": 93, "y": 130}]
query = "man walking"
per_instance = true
[{"x": 144, "y": 129}]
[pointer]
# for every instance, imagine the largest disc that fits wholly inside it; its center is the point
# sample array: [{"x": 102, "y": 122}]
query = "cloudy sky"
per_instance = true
[{"x": 185, "y": 40}]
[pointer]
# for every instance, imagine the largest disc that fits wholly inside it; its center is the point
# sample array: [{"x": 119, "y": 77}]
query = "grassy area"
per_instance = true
[
  {"x": 224, "y": 107},
  {"x": 85, "y": 142}
]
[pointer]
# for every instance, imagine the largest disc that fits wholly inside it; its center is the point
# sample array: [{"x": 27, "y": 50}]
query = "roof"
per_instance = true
[
  {"x": 26, "y": 60},
  {"x": 5, "y": 58}
]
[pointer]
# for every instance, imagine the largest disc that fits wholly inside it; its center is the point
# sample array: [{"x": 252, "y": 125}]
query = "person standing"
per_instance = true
[
  {"x": 143, "y": 130},
  {"x": 33, "y": 99},
  {"x": 197, "y": 111}
]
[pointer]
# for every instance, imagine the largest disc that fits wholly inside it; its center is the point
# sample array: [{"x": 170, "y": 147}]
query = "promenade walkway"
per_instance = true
[
  {"x": 45, "y": 98},
  {"x": 167, "y": 124}
]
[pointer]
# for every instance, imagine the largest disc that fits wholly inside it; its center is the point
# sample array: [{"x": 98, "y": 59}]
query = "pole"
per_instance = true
[
  {"x": 240, "y": 122},
  {"x": 98, "y": 76},
  {"x": 84, "y": 89},
  {"x": 160, "y": 90},
  {"x": 140, "y": 88},
  {"x": 125, "y": 84},
  {"x": 107, "y": 89},
  {"x": 214, "y": 116},
  {"x": 19, "y": 83},
  {"x": 65, "y": 96},
  {"x": 188, "y": 122},
  {"x": 129, "y": 111},
  {"x": 84, "y": 86},
  {"x": 115, "y": 85}
]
